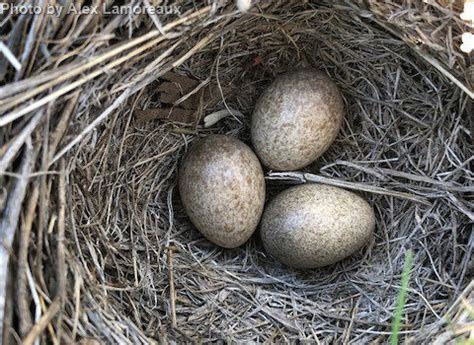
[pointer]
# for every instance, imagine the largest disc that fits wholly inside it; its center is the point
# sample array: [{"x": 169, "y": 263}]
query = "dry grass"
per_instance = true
[{"x": 103, "y": 249}]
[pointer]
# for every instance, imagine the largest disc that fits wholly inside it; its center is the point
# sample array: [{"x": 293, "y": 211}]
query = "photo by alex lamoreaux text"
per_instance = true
[{"x": 60, "y": 10}]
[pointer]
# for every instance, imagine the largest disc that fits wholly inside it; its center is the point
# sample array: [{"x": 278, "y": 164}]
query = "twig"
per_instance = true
[
  {"x": 8, "y": 312},
  {"x": 77, "y": 303},
  {"x": 29, "y": 50},
  {"x": 61, "y": 267},
  {"x": 43, "y": 210},
  {"x": 435, "y": 63},
  {"x": 300, "y": 177},
  {"x": 22, "y": 298},
  {"x": 154, "y": 17},
  {"x": 465, "y": 209},
  {"x": 172, "y": 290},
  {"x": 9, "y": 222},
  {"x": 15, "y": 145},
  {"x": 34, "y": 296},
  {"x": 10, "y": 57},
  {"x": 40, "y": 326},
  {"x": 13, "y": 43},
  {"x": 58, "y": 133}
]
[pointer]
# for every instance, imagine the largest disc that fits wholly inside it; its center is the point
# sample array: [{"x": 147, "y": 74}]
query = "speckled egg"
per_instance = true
[
  {"x": 222, "y": 188},
  {"x": 315, "y": 225},
  {"x": 296, "y": 119}
]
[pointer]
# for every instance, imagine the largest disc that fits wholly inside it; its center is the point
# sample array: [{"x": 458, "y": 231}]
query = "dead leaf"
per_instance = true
[
  {"x": 170, "y": 114},
  {"x": 174, "y": 88},
  {"x": 184, "y": 82},
  {"x": 169, "y": 92}
]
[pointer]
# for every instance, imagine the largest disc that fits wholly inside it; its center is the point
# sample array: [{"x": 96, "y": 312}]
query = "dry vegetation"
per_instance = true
[{"x": 100, "y": 246}]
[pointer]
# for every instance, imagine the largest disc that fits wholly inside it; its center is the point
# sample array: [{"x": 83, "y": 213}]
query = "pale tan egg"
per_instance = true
[
  {"x": 222, "y": 188},
  {"x": 296, "y": 119},
  {"x": 315, "y": 225}
]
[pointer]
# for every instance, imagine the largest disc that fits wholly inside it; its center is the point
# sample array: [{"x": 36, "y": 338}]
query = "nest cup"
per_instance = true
[{"x": 97, "y": 119}]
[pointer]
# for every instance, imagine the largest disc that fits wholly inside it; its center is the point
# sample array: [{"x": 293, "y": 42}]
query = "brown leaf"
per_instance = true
[
  {"x": 178, "y": 86},
  {"x": 172, "y": 90},
  {"x": 169, "y": 92},
  {"x": 186, "y": 83},
  {"x": 170, "y": 114},
  {"x": 191, "y": 103}
]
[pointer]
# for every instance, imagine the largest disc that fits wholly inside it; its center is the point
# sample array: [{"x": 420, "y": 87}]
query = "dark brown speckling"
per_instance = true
[
  {"x": 222, "y": 188},
  {"x": 315, "y": 225},
  {"x": 296, "y": 119}
]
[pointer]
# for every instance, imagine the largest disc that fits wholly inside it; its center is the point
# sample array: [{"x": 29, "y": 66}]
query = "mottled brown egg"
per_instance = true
[
  {"x": 296, "y": 119},
  {"x": 222, "y": 188},
  {"x": 315, "y": 225}
]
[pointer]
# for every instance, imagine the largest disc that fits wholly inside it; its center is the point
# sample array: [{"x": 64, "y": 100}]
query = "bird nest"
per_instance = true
[{"x": 100, "y": 109}]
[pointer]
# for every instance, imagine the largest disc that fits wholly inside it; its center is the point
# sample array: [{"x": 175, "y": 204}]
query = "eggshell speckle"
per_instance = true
[
  {"x": 222, "y": 188},
  {"x": 296, "y": 119},
  {"x": 315, "y": 225}
]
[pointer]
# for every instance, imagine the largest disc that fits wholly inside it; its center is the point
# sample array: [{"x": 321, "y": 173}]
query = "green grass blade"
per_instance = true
[{"x": 401, "y": 299}]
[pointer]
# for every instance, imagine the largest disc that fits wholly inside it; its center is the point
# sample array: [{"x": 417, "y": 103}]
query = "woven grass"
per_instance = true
[{"x": 99, "y": 247}]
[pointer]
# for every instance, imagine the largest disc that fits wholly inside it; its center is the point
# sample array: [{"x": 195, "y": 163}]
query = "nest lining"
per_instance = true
[{"x": 131, "y": 268}]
